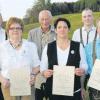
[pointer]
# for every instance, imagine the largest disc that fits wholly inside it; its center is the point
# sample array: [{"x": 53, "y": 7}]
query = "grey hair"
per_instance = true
[{"x": 46, "y": 11}]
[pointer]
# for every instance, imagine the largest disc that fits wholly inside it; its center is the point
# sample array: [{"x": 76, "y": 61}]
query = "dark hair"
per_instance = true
[{"x": 62, "y": 19}]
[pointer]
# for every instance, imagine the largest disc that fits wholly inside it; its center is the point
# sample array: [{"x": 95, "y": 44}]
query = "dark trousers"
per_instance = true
[
  {"x": 77, "y": 96},
  {"x": 94, "y": 94},
  {"x": 1, "y": 95},
  {"x": 86, "y": 81},
  {"x": 38, "y": 94}
]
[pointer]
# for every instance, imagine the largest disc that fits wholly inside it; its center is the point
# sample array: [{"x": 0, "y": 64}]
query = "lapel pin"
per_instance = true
[{"x": 72, "y": 51}]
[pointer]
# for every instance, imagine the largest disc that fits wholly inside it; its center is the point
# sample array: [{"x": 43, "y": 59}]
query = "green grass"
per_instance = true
[{"x": 74, "y": 18}]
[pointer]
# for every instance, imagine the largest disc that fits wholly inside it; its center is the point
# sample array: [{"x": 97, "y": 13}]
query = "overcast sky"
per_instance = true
[{"x": 18, "y": 8}]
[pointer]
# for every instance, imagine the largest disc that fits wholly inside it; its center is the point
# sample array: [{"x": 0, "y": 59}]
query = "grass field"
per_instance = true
[{"x": 74, "y": 18}]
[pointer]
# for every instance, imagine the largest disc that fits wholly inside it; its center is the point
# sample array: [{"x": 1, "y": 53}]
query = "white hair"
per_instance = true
[{"x": 45, "y": 11}]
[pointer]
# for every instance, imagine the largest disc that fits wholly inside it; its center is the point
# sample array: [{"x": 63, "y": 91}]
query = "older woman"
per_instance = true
[
  {"x": 63, "y": 52},
  {"x": 93, "y": 53},
  {"x": 16, "y": 52}
]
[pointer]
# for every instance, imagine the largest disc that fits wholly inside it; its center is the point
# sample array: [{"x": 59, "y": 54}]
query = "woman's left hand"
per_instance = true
[{"x": 79, "y": 71}]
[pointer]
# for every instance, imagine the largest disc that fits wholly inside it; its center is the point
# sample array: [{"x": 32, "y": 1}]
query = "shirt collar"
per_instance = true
[
  {"x": 92, "y": 28},
  {"x": 51, "y": 29}
]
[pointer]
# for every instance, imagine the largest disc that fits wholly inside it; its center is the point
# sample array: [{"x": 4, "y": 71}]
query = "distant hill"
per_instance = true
[{"x": 75, "y": 20}]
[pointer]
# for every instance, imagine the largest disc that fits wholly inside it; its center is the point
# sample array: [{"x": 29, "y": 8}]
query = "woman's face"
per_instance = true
[
  {"x": 15, "y": 31},
  {"x": 62, "y": 30}
]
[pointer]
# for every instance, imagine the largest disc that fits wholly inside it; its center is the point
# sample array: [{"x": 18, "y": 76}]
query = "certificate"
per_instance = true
[
  {"x": 19, "y": 81},
  {"x": 39, "y": 80},
  {"x": 94, "y": 80},
  {"x": 63, "y": 80}
]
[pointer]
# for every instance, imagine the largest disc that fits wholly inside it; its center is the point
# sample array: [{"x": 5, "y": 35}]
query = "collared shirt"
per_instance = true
[
  {"x": 2, "y": 35},
  {"x": 40, "y": 38},
  {"x": 62, "y": 58},
  {"x": 89, "y": 52},
  {"x": 85, "y": 34},
  {"x": 26, "y": 56}
]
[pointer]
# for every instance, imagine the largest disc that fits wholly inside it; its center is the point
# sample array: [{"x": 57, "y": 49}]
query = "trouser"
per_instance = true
[
  {"x": 84, "y": 87},
  {"x": 86, "y": 81},
  {"x": 77, "y": 96},
  {"x": 32, "y": 93},
  {"x": 1, "y": 95},
  {"x": 6, "y": 94},
  {"x": 38, "y": 94},
  {"x": 94, "y": 94}
]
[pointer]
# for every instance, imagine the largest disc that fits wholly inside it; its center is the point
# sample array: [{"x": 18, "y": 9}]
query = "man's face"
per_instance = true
[
  {"x": 87, "y": 18},
  {"x": 45, "y": 20}
]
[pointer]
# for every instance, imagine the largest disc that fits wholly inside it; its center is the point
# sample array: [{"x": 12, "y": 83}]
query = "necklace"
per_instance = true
[{"x": 15, "y": 46}]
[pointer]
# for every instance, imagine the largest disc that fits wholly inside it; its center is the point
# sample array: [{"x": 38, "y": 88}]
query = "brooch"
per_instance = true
[{"x": 72, "y": 51}]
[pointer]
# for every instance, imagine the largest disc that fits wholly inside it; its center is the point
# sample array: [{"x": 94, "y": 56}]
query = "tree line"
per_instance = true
[{"x": 59, "y": 8}]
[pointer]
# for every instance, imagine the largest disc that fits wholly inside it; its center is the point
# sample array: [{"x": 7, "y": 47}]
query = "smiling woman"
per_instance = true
[
  {"x": 19, "y": 54},
  {"x": 63, "y": 52}
]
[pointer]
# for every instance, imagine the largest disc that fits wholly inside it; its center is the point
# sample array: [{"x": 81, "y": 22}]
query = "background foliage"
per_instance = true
[
  {"x": 75, "y": 20},
  {"x": 59, "y": 8}
]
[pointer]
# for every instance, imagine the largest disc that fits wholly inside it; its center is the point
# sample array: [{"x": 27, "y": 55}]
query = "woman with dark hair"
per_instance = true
[{"x": 63, "y": 52}]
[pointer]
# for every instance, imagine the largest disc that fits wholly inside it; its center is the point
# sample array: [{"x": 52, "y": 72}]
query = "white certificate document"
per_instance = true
[
  {"x": 39, "y": 80},
  {"x": 94, "y": 80},
  {"x": 19, "y": 81},
  {"x": 63, "y": 80}
]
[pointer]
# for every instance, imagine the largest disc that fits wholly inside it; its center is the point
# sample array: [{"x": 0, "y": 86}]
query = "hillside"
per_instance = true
[{"x": 75, "y": 20}]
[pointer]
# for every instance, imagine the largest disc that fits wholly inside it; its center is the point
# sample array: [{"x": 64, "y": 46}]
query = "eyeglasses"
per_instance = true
[{"x": 15, "y": 28}]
